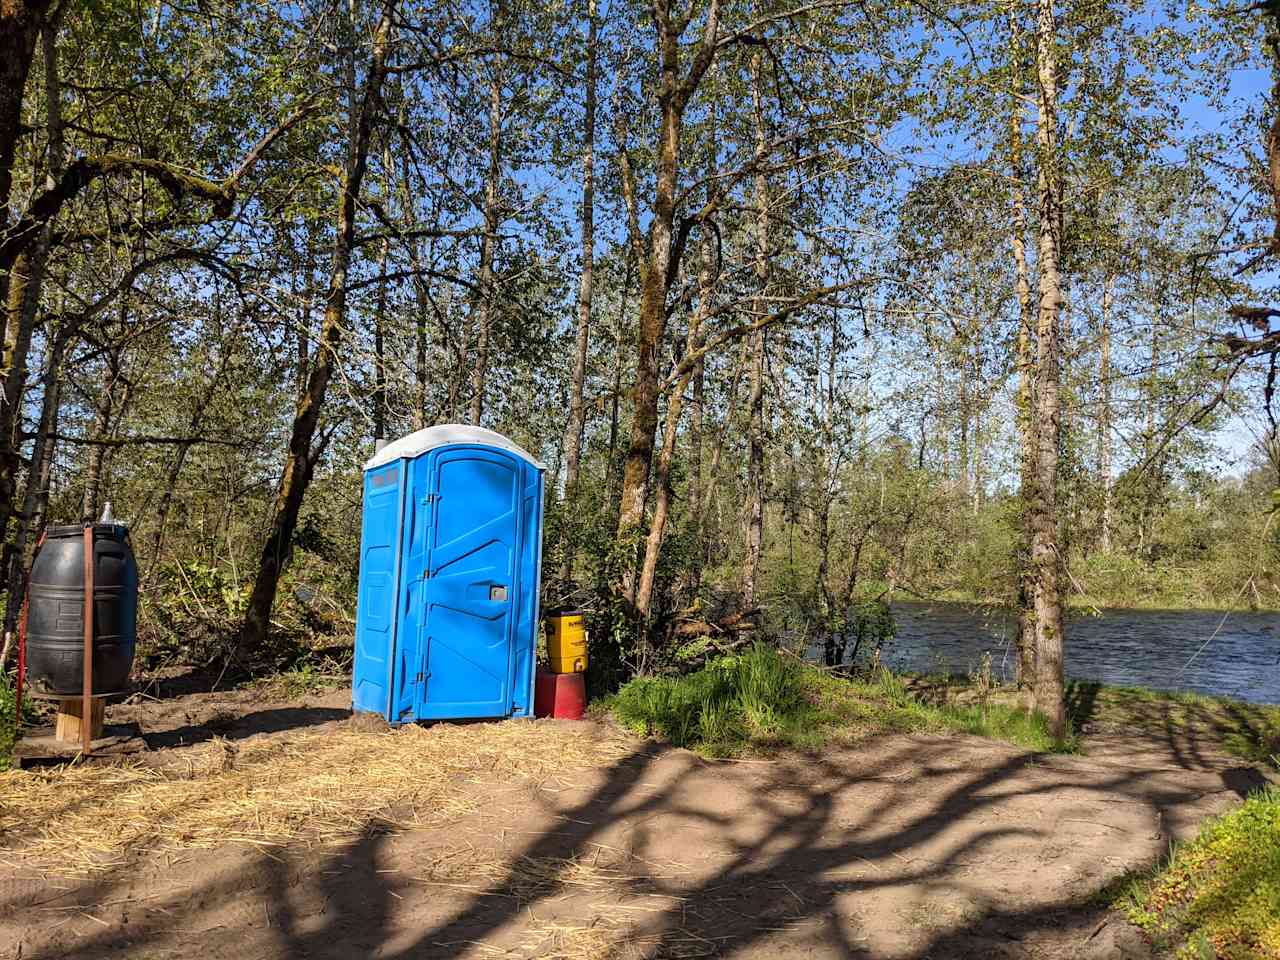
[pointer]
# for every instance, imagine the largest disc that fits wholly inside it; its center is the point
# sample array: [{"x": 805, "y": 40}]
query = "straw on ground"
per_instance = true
[{"x": 316, "y": 786}]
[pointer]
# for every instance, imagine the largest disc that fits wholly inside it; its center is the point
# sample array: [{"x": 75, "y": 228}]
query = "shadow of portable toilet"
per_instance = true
[{"x": 450, "y": 560}]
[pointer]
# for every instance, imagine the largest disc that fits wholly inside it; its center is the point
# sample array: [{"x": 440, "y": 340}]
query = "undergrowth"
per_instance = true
[
  {"x": 8, "y": 721},
  {"x": 761, "y": 700},
  {"x": 1219, "y": 894},
  {"x": 309, "y": 678}
]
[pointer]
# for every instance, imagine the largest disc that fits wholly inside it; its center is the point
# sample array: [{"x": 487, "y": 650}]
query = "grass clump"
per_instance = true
[
  {"x": 1219, "y": 894},
  {"x": 757, "y": 696},
  {"x": 761, "y": 700}
]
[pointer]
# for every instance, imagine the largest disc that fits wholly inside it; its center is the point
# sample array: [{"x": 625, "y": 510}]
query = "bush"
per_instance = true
[{"x": 1219, "y": 895}]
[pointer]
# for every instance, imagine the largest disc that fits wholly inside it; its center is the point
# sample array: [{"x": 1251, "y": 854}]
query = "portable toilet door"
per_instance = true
[{"x": 450, "y": 558}]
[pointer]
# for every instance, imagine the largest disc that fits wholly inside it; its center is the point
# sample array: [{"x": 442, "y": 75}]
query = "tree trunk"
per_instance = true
[
  {"x": 20, "y": 289},
  {"x": 825, "y": 471},
  {"x": 380, "y": 411},
  {"x": 651, "y": 328},
  {"x": 484, "y": 304},
  {"x": 674, "y": 91},
  {"x": 303, "y": 360},
  {"x": 302, "y": 456},
  {"x": 1025, "y": 366},
  {"x": 31, "y": 516},
  {"x": 422, "y": 298},
  {"x": 20, "y": 22},
  {"x": 1104, "y": 417},
  {"x": 755, "y": 429},
  {"x": 613, "y": 476},
  {"x": 697, "y": 428},
  {"x": 675, "y": 406},
  {"x": 577, "y": 417},
  {"x": 1045, "y": 559}
]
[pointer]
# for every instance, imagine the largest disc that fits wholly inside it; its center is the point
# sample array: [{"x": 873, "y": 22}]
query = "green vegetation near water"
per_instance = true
[
  {"x": 1219, "y": 894},
  {"x": 763, "y": 700}
]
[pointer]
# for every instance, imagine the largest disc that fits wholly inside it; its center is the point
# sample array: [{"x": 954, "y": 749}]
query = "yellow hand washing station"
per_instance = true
[{"x": 566, "y": 642}]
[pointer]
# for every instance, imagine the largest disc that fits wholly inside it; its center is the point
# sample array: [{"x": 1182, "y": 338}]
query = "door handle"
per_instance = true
[{"x": 498, "y": 593}]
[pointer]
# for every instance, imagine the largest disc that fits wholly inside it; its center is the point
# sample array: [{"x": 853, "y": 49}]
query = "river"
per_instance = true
[{"x": 1238, "y": 656}]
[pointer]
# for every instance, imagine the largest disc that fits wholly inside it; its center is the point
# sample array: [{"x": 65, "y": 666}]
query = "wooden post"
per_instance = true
[
  {"x": 69, "y": 725},
  {"x": 86, "y": 707}
]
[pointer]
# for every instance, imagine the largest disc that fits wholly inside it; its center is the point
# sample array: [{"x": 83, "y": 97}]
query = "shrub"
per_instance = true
[{"x": 1219, "y": 895}]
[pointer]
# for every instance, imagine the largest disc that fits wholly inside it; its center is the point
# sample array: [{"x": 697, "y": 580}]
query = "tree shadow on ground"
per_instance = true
[
  {"x": 1194, "y": 730},
  {"x": 821, "y": 853}
]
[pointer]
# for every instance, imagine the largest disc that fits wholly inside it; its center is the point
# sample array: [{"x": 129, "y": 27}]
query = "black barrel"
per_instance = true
[{"x": 55, "y": 618}]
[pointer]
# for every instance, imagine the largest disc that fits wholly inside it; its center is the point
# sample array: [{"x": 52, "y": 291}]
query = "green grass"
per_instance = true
[
  {"x": 1219, "y": 894},
  {"x": 761, "y": 700}
]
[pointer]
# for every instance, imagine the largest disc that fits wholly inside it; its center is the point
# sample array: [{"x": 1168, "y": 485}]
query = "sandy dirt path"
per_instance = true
[{"x": 905, "y": 847}]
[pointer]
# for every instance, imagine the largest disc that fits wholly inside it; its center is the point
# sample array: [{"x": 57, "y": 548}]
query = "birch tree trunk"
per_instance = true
[
  {"x": 1025, "y": 363},
  {"x": 825, "y": 471},
  {"x": 755, "y": 429},
  {"x": 1104, "y": 417},
  {"x": 577, "y": 417},
  {"x": 302, "y": 453},
  {"x": 1045, "y": 559}
]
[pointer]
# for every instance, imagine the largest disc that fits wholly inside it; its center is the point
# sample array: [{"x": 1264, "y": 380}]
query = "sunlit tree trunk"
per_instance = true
[
  {"x": 577, "y": 414},
  {"x": 1104, "y": 416},
  {"x": 825, "y": 476},
  {"x": 755, "y": 428},
  {"x": 675, "y": 87},
  {"x": 1024, "y": 361},
  {"x": 1045, "y": 559}
]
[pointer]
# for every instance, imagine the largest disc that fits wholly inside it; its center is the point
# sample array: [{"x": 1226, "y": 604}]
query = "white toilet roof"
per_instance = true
[{"x": 442, "y": 435}]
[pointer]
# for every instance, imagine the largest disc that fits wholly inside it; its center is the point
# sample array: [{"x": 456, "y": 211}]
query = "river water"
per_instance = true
[{"x": 1238, "y": 656}]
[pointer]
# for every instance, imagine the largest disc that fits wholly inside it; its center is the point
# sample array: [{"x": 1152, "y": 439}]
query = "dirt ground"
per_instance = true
[{"x": 905, "y": 847}]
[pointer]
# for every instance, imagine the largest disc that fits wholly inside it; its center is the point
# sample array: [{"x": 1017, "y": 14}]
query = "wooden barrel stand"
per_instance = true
[{"x": 69, "y": 725}]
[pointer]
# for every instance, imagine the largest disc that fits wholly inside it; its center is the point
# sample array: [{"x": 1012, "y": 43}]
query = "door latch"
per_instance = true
[{"x": 498, "y": 593}]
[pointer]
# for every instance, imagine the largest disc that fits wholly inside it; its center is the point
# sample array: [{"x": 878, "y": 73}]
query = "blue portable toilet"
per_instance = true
[{"x": 450, "y": 565}]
